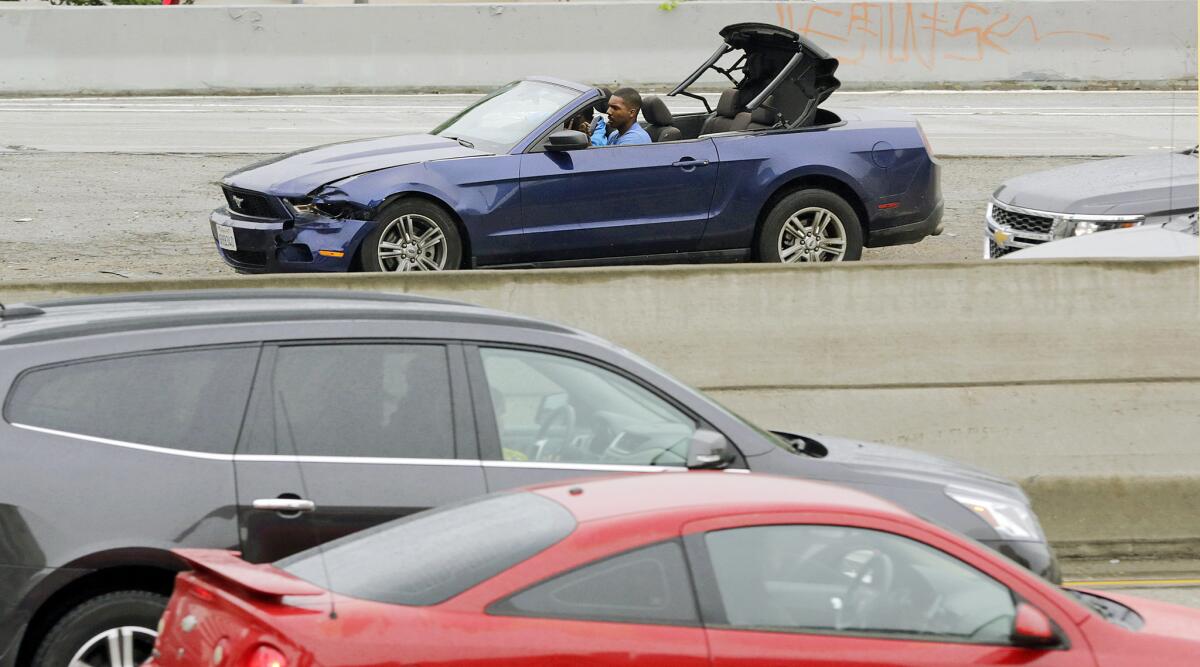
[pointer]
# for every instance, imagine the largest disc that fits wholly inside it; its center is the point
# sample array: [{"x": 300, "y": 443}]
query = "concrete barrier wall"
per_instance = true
[
  {"x": 1061, "y": 369},
  {"x": 265, "y": 48}
]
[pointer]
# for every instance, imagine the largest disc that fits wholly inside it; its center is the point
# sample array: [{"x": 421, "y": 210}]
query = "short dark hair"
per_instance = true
[{"x": 630, "y": 96}]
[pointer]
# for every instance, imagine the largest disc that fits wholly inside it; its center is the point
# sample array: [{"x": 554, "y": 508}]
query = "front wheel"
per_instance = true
[
  {"x": 111, "y": 630},
  {"x": 810, "y": 226},
  {"x": 412, "y": 235}
]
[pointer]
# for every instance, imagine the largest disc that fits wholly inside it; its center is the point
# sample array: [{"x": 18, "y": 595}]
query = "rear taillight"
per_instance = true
[{"x": 264, "y": 655}]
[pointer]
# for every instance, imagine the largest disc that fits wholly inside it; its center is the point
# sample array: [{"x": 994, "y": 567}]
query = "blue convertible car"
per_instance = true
[{"x": 767, "y": 175}]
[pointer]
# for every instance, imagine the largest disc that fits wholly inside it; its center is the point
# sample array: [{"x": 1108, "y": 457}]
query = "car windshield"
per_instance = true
[
  {"x": 429, "y": 557},
  {"x": 497, "y": 122},
  {"x": 768, "y": 435}
]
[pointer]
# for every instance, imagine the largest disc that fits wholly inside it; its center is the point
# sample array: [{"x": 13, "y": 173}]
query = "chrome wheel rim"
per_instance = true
[
  {"x": 812, "y": 234},
  {"x": 126, "y": 646},
  {"x": 412, "y": 243}
]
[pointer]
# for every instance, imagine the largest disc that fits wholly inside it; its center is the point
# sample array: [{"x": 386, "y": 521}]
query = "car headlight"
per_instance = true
[
  {"x": 1088, "y": 224},
  {"x": 306, "y": 207},
  {"x": 1006, "y": 517}
]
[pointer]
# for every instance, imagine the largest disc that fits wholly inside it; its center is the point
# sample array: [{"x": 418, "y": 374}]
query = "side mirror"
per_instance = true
[
  {"x": 1033, "y": 629},
  {"x": 709, "y": 449},
  {"x": 568, "y": 140}
]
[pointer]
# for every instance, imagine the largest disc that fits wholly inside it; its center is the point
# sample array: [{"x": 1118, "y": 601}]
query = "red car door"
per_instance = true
[{"x": 821, "y": 590}]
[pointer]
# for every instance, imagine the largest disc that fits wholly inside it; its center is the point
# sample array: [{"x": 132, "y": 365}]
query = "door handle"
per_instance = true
[
  {"x": 284, "y": 505},
  {"x": 689, "y": 163}
]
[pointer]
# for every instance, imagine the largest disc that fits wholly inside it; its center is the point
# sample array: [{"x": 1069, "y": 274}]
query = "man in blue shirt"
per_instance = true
[{"x": 622, "y": 128}]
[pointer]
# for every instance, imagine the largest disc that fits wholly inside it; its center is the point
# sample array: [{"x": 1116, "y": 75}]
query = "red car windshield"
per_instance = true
[{"x": 430, "y": 557}]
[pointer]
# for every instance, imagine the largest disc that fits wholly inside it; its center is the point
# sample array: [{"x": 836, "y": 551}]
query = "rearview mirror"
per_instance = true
[
  {"x": 709, "y": 449},
  {"x": 1032, "y": 628},
  {"x": 568, "y": 140}
]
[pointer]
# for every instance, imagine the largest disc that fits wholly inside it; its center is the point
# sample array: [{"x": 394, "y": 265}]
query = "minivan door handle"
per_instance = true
[{"x": 284, "y": 505}]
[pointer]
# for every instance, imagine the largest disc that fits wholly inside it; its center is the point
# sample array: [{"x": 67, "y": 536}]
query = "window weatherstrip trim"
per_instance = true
[
  {"x": 252, "y": 458},
  {"x": 373, "y": 460},
  {"x": 601, "y": 467},
  {"x": 128, "y": 445}
]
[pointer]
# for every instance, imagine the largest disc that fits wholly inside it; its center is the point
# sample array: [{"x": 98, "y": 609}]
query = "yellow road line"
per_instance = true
[{"x": 1100, "y": 583}]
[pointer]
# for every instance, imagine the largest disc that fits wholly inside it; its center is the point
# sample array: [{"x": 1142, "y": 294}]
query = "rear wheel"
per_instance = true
[
  {"x": 112, "y": 630},
  {"x": 412, "y": 235},
  {"x": 810, "y": 226}
]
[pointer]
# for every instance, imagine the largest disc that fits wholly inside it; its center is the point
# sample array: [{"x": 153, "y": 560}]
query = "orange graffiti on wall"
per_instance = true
[{"x": 900, "y": 32}]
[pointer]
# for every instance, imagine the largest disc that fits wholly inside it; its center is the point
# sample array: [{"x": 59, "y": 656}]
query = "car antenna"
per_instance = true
[{"x": 287, "y": 422}]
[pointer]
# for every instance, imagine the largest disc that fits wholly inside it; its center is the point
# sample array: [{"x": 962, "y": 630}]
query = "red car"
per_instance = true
[{"x": 701, "y": 569}]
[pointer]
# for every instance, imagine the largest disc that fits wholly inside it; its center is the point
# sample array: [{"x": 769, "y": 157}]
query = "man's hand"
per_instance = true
[{"x": 598, "y": 121}]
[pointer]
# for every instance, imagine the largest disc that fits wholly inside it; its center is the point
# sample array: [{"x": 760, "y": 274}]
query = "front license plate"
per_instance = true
[{"x": 225, "y": 237}]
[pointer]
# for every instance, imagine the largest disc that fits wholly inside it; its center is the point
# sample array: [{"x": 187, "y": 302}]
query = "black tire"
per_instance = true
[
  {"x": 89, "y": 621},
  {"x": 799, "y": 211},
  {"x": 409, "y": 254}
]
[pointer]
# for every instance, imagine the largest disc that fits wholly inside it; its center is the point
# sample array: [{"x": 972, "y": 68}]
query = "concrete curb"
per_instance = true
[{"x": 1128, "y": 518}]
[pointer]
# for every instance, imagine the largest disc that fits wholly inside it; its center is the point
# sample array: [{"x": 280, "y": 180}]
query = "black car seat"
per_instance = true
[
  {"x": 764, "y": 117},
  {"x": 726, "y": 118},
  {"x": 661, "y": 125}
]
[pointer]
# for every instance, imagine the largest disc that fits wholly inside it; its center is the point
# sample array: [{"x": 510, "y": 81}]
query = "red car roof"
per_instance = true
[{"x": 668, "y": 492}]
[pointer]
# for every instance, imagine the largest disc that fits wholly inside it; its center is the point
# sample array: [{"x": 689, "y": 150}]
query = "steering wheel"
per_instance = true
[
  {"x": 869, "y": 588},
  {"x": 548, "y": 447}
]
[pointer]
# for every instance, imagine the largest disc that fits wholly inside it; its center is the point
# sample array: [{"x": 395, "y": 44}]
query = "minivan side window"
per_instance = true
[
  {"x": 555, "y": 408},
  {"x": 359, "y": 400},
  {"x": 185, "y": 399},
  {"x": 647, "y": 585}
]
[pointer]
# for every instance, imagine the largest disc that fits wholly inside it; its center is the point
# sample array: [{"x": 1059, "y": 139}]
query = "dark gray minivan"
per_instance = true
[{"x": 269, "y": 421}]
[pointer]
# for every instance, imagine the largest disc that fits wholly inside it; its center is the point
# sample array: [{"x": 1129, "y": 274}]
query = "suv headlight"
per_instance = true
[
  {"x": 1008, "y": 518},
  {"x": 1079, "y": 225}
]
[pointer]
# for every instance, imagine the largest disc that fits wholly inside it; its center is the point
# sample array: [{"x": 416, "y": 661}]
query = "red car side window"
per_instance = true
[{"x": 842, "y": 579}]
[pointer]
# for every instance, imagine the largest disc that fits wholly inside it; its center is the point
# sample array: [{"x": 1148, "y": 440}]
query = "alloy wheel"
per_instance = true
[
  {"x": 812, "y": 234},
  {"x": 126, "y": 646},
  {"x": 412, "y": 242}
]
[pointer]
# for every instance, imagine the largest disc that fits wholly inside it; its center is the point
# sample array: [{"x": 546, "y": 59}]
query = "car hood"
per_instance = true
[
  {"x": 875, "y": 458},
  {"x": 1144, "y": 184},
  {"x": 1154, "y": 241},
  {"x": 297, "y": 174},
  {"x": 1162, "y": 620}
]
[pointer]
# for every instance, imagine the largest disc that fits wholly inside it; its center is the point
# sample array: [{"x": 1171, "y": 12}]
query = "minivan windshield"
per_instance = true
[
  {"x": 768, "y": 435},
  {"x": 500, "y": 120}
]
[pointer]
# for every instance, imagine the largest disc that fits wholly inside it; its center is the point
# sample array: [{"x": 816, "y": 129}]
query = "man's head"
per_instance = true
[{"x": 623, "y": 108}]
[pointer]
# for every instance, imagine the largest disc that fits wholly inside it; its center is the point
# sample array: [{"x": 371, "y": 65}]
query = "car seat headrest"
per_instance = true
[
  {"x": 601, "y": 105},
  {"x": 656, "y": 111},
  {"x": 727, "y": 105}
]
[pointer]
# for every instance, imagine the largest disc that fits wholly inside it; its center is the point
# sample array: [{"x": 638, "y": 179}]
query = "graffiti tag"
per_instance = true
[{"x": 925, "y": 32}]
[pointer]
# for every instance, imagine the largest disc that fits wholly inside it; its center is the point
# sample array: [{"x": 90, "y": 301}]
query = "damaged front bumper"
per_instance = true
[{"x": 263, "y": 245}]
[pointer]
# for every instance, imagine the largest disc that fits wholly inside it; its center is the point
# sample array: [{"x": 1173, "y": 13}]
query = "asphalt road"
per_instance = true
[{"x": 983, "y": 123}]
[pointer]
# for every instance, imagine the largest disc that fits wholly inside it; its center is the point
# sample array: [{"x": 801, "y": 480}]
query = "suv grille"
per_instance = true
[
  {"x": 995, "y": 251},
  {"x": 1022, "y": 221},
  {"x": 253, "y": 204}
]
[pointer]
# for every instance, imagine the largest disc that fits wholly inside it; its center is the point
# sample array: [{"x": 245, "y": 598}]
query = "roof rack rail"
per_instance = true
[
  {"x": 246, "y": 293},
  {"x": 19, "y": 310}
]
